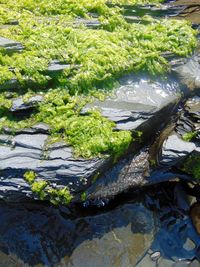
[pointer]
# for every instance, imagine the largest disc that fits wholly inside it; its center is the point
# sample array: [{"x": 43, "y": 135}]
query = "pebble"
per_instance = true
[{"x": 155, "y": 256}]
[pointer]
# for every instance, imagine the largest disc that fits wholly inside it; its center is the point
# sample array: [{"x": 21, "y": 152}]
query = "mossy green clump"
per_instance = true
[
  {"x": 30, "y": 176},
  {"x": 90, "y": 134},
  {"x": 189, "y": 136},
  {"x": 52, "y": 30},
  {"x": 83, "y": 196},
  {"x": 96, "y": 56},
  {"x": 44, "y": 190},
  {"x": 58, "y": 196},
  {"x": 192, "y": 166},
  {"x": 38, "y": 187}
]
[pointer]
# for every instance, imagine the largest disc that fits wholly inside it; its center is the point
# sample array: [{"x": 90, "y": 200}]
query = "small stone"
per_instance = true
[
  {"x": 155, "y": 256},
  {"x": 189, "y": 245}
]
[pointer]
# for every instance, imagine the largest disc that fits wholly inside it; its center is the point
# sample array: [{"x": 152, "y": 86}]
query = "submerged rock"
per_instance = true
[
  {"x": 43, "y": 236},
  {"x": 155, "y": 232}
]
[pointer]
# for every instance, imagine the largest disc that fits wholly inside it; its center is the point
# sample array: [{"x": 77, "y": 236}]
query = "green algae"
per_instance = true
[
  {"x": 192, "y": 166},
  {"x": 189, "y": 136},
  {"x": 90, "y": 134},
  {"x": 83, "y": 196},
  {"x": 38, "y": 187},
  {"x": 52, "y": 30},
  {"x": 44, "y": 190},
  {"x": 30, "y": 176},
  {"x": 96, "y": 56}
]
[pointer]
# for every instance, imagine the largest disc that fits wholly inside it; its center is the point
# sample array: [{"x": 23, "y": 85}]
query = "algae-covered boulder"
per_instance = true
[{"x": 141, "y": 105}]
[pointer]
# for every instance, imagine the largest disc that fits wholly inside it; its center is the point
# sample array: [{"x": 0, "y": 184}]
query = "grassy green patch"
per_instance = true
[
  {"x": 96, "y": 57},
  {"x": 192, "y": 166},
  {"x": 189, "y": 136},
  {"x": 52, "y": 30},
  {"x": 44, "y": 190}
]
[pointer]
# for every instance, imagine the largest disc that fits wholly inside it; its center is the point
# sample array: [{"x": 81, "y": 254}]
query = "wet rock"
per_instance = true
[
  {"x": 189, "y": 73},
  {"x": 152, "y": 10},
  {"x": 57, "y": 165},
  {"x": 10, "y": 45},
  {"x": 19, "y": 104},
  {"x": 42, "y": 236},
  {"x": 174, "y": 150},
  {"x": 189, "y": 245},
  {"x": 126, "y": 174},
  {"x": 189, "y": 121},
  {"x": 138, "y": 102},
  {"x": 92, "y": 24},
  {"x": 195, "y": 216},
  {"x": 146, "y": 262},
  {"x": 141, "y": 104}
]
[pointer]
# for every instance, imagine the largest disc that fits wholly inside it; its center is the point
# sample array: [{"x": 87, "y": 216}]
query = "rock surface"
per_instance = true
[
  {"x": 117, "y": 237},
  {"x": 10, "y": 45},
  {"x": 19, "y": 104},
  {"x": 189, "y": 73},
  {"x": 153, "y": 232},
  {"x": 137, "y": 105}
]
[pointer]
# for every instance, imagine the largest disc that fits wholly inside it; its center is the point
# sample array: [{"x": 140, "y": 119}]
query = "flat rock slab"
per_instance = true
[
  {"x": 18, "y": 104},
  {"x": 137, "y": 101},
  {"x": 175, "y": 149},
  {"x": 10, "y": 45},
  {"x": 136, "y": 105}
]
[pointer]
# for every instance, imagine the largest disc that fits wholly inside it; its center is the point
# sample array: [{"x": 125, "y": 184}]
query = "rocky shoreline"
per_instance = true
[{"x": 141, "y": 209}]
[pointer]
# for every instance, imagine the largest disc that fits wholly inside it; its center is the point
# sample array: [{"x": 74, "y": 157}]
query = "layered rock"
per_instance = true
[{"x": 140, "y": 105}]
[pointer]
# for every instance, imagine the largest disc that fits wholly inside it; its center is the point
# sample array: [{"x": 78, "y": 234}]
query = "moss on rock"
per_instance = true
[{"x": 192, "y": 166}]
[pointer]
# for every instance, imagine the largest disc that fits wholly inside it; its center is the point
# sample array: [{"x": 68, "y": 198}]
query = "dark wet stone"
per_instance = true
[
  {"x": 182, "y": 264},
  {"x": 189, "y": 121},
  {"x": 10, "y": 45},
  {"x": 126, "y": 174},
  {"x": 43, "y": 236},
  {"x": 175, "y": 149},
  {"x": 19, "y": 104},
  {"x": 176, "y": 232}
]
